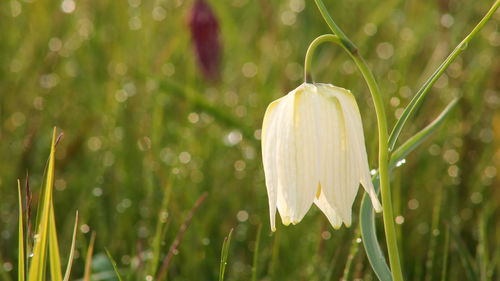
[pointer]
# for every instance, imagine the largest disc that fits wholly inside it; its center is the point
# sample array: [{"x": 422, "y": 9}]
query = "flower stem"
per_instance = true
[
  {"x": 390, "y": 230},
  {"x": 310, "y": 51}
]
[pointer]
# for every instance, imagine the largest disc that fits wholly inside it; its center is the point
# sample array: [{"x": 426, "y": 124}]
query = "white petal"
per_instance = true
[
  {"x": 334, "y": 157},
  {"x": 307, "y": 148},
  {"x": 269, "y": 142},
  {"x": 285, "y": 160},
  {"x": 297, "y": 155},
  {"x": 358, "y": 144},
  {"x": 328, "y": 210}
]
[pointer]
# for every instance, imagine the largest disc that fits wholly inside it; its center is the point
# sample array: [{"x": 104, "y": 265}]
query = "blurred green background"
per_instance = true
[{"x": 120, "y": 79}]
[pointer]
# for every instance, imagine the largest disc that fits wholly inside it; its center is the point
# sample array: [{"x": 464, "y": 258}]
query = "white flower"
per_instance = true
[{"x": 313, "y": 149}]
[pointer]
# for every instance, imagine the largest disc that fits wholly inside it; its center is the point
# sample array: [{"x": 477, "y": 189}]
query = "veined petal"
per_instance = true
[
  {"x": 286, "y": 160},
  {"x": 334, "y": 176},
  {"x": 328, "y": 210},
  {"x": 307, "y": 148},
  {"x": 297, "y": 154},
  {"x": 269, "y": 143},
  {"x": 355, "y": 131}
]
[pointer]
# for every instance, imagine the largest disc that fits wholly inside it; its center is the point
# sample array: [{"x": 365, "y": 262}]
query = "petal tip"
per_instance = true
[{"x": 337, "y": 226}]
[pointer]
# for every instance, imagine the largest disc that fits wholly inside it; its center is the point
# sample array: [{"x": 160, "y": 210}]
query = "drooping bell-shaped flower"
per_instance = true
[
  {"x": 204, "y": 29},
  {"x": 313, "y": 150}
]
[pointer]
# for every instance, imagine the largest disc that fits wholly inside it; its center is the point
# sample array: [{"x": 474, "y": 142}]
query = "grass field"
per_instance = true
[{"x": 146, "y": 135}]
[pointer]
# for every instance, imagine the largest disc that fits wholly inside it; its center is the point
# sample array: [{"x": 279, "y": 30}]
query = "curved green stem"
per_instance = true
[
  {"x": 390, "y": 230},
  {"x": 310, "y": 51}
]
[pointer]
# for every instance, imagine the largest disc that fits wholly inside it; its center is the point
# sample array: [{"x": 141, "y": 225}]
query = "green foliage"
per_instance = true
[
  {"x": 46, "y": 234},
  {"x": 145, "y": 134},
  {"x": 224, "y": 254}
]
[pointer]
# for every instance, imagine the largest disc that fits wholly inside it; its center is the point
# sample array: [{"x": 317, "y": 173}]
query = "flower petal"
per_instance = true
[
  {"x": 328, "y": 210},
  {"x": 286, "y": 160},
  {"x": 307, "y": 149},
  {"x": 358, "y": 144},
  {"x": 297, "y": 154},
  {"x": 334, "y": 157},
  {"x": 269, "y": 143}
]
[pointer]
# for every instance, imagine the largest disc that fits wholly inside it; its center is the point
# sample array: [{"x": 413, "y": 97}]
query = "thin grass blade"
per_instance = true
[
  {"x": 256, "y": 253},
  {"x": 224, "y": 255},
  {"x": 88, "y": 260},
  {"x": 353, "y": 253},
  {"x": 27, "y": 222},
  {"x": 72, "y": 251},
  {"x": 54, "y": 257},
  {"x": 161, "y": 226},
  {"x": 113, "y": 263},
  {"x": 178, "y": 238},
  {"x": 465, "y": 256},
  {"x": 446, "y": 246},
  {"x": 20, "y": 269},
  {"x": 419, "y": 96},
  {"x": 37, "y": 267}
]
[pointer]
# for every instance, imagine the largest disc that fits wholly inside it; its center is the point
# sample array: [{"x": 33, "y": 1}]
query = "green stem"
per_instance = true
[
  {"x": 310, "y": 51},
  {"x": 390, "y": 230}
]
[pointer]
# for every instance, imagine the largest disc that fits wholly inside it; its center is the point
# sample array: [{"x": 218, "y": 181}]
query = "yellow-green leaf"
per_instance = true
[
  {"x": 72, "y": 252},
  {"x": 21, "y": 236},
  {"x": 37, "y": 267}
]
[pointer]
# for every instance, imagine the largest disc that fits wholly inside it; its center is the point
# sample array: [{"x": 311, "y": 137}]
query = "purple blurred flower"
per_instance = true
[{"x": 205, "y": 37}]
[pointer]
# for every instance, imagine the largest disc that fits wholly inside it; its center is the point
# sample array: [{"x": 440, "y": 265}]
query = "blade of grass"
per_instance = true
[
  {"x": 54, "y": 257},
  {"x": 178, "y": 238},
  {"x": 224, "y": 255},
  {"x": 465, "y": 256},
  {"x": 353, "y": 252},
  {"x": 419, "y": 96},
  {"x": 161, "y": 226},
  {"x": 445, "y": 254},
  {"x": 256, "y": 253},
  {"x": 88, "y": 260},
  {"x": 72, "y": 251},
  {"x": 42, "y": 190},
  {"x": 113, "y": 263},
  {"x": 20, "y": 269},
  {"x": 367, "y": 217},
  {"x": 331, "y": 266},
  {"x": 431, "y": 254},
  {"x": 37, "y": 267},
  {"x": 273, "y": 265},
  {"x": 27, "y": 250}
]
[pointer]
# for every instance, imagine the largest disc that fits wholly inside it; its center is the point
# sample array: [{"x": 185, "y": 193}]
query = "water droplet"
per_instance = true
[
  {"x": 358, "y": 240},
  {"x": 464, "y": 46},
  {"x": 400, "y": 162},
  {"x": 373, "y": 172}
]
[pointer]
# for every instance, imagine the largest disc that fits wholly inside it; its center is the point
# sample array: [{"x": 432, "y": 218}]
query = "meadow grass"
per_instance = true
[{"x": 145, "y": 136}]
